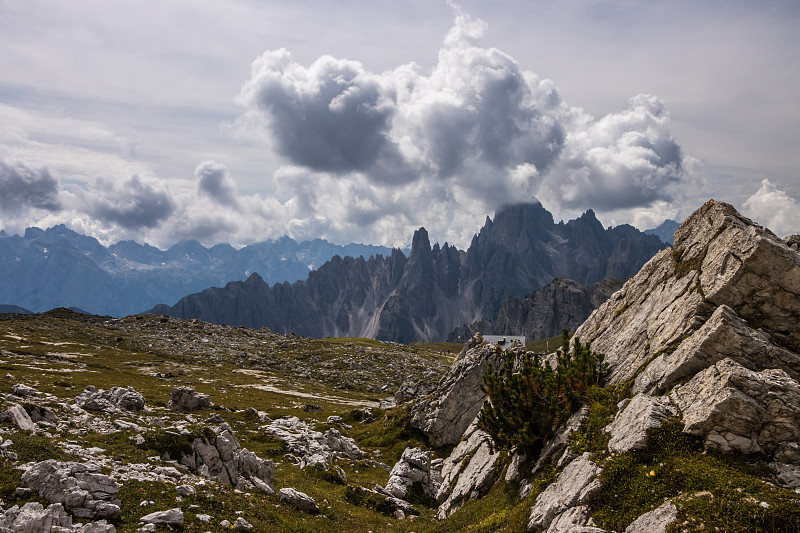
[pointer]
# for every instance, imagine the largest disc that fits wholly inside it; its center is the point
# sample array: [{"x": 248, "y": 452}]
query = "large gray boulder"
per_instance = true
[
  {"x": 83, "y": 490},
  {"x": 17, "y": 415},
  {"x": 170, "y": 517},
  {"x": 221, "y": 458},
  {"x": 24, "y": 391},
  {"x": 413, "y": 467},
  {"x": 629, "y": 428},
  {"x": 734, "y": 408},
  {"x": 446, "y": 414},
  {"x": 575, "y": 483},
  {"x": 298, "y": 499},
  {"x": 186, "y": 399},
  {"x": 115, "y": 399}
]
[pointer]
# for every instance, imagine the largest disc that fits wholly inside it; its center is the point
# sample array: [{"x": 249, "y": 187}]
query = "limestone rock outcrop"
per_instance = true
[
  {"x": 445, "y": 415},
  {"x": 734, "y": 408},
  {"x": 115, "y": 399},
  {"x": 716, "y": 321},
  {"x": 34, "y": 518},
  {"x": 221, "y": 458},
  {"x": 187, "y": 399},
  {"x": 413, "y": 467},
  {"x": 312, "y": 447},
  {"x": 575, "y": 483},
  {"x": 468, "y": 472},
  {"x": 84, "y": 491}
]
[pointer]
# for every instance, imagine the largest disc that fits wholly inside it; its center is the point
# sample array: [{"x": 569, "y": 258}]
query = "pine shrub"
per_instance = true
[{"x": 525, "y": 407}]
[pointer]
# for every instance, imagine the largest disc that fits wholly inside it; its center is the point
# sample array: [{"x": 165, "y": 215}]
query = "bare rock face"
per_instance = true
[
  {"x": 445, "y": 416},
  {"x": 723, "y": 335},
  {"x": 413, "y": 467},
  {"x": 719, "y": 314},
  {"x": 734, "y": 408},
  {"x": 467, "y": 473},
  {"x": 83, "y": 490},
  {"x": 187, "y": 399},
  {"x": 575, "y": 483},
  {"x": 629, "y": 428},
  {"x": 719, "y": 258}
]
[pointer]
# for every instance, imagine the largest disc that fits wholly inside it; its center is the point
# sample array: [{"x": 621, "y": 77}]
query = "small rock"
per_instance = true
[
  {"x": 656, "y": 521},
  {"x": 24, "y": 391},
  {"x": 185, "y": 491},
  {"x": 171, "y": 517},
  {"x": 298, "y": 499},
  {"x": 242, "y": 525}
]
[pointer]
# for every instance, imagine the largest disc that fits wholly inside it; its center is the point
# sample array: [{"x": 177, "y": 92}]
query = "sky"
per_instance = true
[{"x": 361, "y": 121}]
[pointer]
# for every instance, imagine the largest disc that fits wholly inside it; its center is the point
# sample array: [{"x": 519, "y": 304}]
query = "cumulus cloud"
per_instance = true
[
  {"x": 23, "y": 186},
  {"x": 140, "y": 201},
  {"x": 370, "y": 157},
  {"x": 774, "y": 209},
  {"x": 332, "y": 116},
  {"x": 474, "y": 133},
  {"x": 215, "y": 182}
]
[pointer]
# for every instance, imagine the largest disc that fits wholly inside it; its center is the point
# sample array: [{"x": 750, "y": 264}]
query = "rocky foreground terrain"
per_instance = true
[{"x": 152, "y": 423}]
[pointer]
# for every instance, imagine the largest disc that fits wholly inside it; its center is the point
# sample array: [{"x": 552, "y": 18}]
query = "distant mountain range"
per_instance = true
[
  {"x": 58, "y": 267},
  {"x": 665, "y": 230},
  {"x": 426, "y": 295}
]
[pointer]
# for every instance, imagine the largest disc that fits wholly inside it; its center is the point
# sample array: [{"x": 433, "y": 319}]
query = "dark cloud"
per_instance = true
[
  {"x": 141, "y": 201},
  {"x": 474, "y": 133},
  {"x": 22, "y": 186},
  {"x": 333, "y": 116},
  {"x": 215, "y": 182}
]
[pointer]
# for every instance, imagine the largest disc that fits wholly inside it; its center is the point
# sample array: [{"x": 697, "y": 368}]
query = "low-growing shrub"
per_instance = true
[{"x": 526, "y": 407}]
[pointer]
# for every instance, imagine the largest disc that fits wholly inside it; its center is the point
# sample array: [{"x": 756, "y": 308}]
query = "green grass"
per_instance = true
[{"x": 717, "y": 491}]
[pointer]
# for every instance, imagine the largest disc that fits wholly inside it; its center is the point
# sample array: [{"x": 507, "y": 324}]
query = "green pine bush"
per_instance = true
[{"x": 526, "y": 407}]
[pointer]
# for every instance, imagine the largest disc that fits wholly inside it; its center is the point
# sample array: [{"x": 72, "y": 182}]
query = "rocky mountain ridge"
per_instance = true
[
  {"x": 706, "y": 337},
  {"x": 46, "y": 269},
  {"x": 545, "y": 313},
  {"x": 435, "y": 289}
]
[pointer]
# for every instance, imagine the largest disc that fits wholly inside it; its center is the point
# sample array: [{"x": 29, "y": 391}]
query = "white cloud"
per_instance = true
[
  {"x": 474, "y": 133},
  {"x": 774, "y": 209}
]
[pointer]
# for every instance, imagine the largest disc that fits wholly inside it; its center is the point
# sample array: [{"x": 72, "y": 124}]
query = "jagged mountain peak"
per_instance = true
[{"x": 435, "y": 289}]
